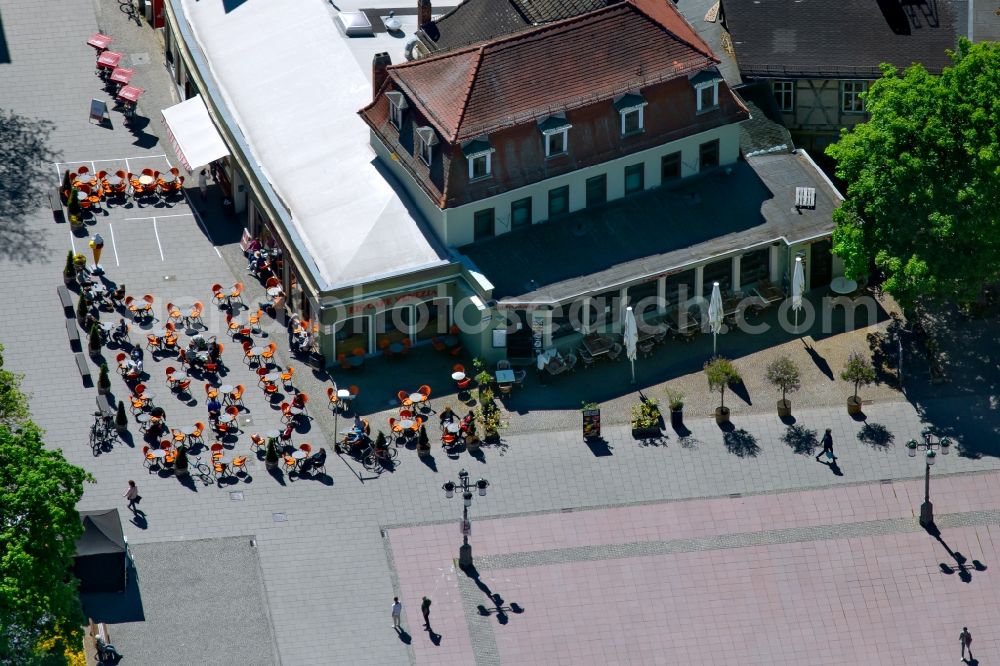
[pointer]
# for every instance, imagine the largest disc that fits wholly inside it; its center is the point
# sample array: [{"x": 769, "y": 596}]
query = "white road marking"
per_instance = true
[
  {"x": 158, "y": 240},
  {"x": 114, "y": 246},
  {"x": 197, "y": 217},
  {"x": 159, "y": 217}
]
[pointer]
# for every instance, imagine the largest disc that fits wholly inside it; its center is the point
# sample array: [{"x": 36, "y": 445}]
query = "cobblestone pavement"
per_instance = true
[
  {"x": 833, "y": 576},
  {"x": 326, "y": 575}
]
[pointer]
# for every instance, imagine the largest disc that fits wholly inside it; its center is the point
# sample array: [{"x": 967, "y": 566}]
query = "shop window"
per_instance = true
[
  {"x": 351, "y": 335},
  {"x": 719, "y": 271},
  {"x": 433, "y": 318},
  {"x": 754, "y": 267}
]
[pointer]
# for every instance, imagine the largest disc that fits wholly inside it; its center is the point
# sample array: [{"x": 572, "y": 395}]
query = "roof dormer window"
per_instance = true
[
  {"x": 555, "y": 134},
  {"x": 397, "y": 102},
  {"x": 706, "y": 90},
  {"x": 427, "y": 139},
  {"x": 479, "y": 154},
  {"x": 630, "y": 108}
]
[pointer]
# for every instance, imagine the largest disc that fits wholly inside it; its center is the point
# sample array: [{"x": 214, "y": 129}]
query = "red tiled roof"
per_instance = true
[{"x": 553, "y": 68}]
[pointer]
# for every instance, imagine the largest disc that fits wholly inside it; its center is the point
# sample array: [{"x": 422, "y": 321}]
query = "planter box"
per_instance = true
[
  {"x": 853, "y": 406},
  {"x": 677, "y": 417},
  {"x": 651, "y": 432},
  {"x": 423, "y": 453},
  {"x": 784, "y": 409},
  {"x": 721, "y": 415}
]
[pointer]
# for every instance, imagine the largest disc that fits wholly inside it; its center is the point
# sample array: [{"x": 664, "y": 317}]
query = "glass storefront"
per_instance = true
[
  {"x": 720, "y": 271},
  {"x": 754, "y": 267},
  {"x": 679, "y": 287},
  {"x": 352, "y": 335},
  {"x": 644, "y": 299},
  {"x": 433, "y": 318}
]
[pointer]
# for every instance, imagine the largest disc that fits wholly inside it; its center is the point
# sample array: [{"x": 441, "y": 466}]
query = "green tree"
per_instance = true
[
  {"x": 39, "y": 526},
  {"x": 923, "y": 180},
  {"x": 721, "y": 373},
  {"x": 13, "y": 404},
  {"x": 784, "y": 375},
  {"x": 859, "y": 371}
]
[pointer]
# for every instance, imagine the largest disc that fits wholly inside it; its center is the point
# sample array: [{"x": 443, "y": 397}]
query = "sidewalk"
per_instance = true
[{"x": 837, "y": 576}]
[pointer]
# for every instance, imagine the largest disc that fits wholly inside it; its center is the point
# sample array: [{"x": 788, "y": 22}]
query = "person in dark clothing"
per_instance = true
[
  {"x": 214, "y": 408},
  {"x": 314, "y": 461},
  {"x": 425, "y": 608},
  {"x": 121, "y": 331},
  {"x": 446, "y": 416},
  {"x": 827, "y": 446}
]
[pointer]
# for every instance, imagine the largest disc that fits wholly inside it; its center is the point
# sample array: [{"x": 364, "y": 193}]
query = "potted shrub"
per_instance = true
[
  {"x": 784, "y": 375},
  {"x": 489, "y": 416},
  {"x": 73, "y": 208},
  {"x": 858, "y": 370},
  {"x": 271, "y": 456},
  {"x": 103, "y": 381},
  {"x": 69, "y": 271},
  {"x": 121, "y": 418},
  {"x": 675, "y": 400},
  {"x": 94, "y": 341},
  {"x": 82, "y": 309},
  {"x": 483, "y": 379},
  {"x": 66, "y": 188},
  {"x": 423, "y": 442},
  {"x": 181, "y": 461},
  {"x": 646, "y": 419},
  {"x": 721, "y": 373}
]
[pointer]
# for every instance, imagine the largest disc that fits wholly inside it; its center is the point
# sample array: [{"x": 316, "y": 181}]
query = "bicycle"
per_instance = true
[
  {"x": 375, "y": 460},
  {"x": 197, "y": 468},
  {"x": 102, "y": 430}
]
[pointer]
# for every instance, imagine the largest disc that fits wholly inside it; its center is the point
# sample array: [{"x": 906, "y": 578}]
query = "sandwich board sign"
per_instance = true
[{"x": 99, "y": 111}]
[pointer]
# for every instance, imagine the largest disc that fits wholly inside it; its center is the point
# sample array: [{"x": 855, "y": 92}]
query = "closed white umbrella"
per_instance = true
[
  {"x": 798, "y": 286},
  {"x": 631, "y": 338},
  {"x": 715, "y": 313}
]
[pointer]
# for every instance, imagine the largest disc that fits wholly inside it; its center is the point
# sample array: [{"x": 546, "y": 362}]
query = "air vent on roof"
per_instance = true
[{"x": 805, "y": 197}]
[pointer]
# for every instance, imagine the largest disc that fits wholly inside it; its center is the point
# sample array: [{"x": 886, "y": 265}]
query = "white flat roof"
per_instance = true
[{"x": 294, "y": 84}]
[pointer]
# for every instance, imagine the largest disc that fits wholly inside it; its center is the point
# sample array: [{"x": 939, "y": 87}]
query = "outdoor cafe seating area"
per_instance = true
[
  {"x": 117, "y": 80},
  {"x": 93, "y": 190}
]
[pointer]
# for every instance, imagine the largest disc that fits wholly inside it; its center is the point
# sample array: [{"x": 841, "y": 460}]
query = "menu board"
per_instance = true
[{"x": 591, "y": 423}]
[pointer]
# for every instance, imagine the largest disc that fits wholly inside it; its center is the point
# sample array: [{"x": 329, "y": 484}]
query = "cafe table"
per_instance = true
[
  {"x": 355, "y": 361},
  {"x": 121, "y": 75},
  {"x": 108, "y": 60},
  {"x": 396, "y": 348},
  {"x": 226, "y": 389},
  {"x": 406, "y": 424},
  {"x": 417, "y": 398},
  {"x": 505, "y": 376},
  {"x": 458, "y": 376},
  {"x": 843, "y": 286},
  {"x": 453, "y": 427},
  {"x": 99, "y": 42},
  {"x": 597, "y": 344}
]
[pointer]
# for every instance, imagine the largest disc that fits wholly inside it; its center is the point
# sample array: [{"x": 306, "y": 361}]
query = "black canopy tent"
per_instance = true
[{"x": 100, "y": 561}]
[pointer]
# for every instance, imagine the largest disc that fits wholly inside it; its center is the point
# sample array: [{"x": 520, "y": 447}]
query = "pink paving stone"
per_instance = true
[{"x": 846, "y": 601}]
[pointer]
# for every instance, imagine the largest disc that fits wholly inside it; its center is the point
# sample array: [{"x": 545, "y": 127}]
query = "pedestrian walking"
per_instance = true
[
  {"x": 966, "y": 639},
  {"x": 203, "y": 184},
  {"x": 397, "y": 609},
  {"x": 425, "y": 608},
  {"x": 132, "y": 495},
  {"x": 827, "y": 446}
]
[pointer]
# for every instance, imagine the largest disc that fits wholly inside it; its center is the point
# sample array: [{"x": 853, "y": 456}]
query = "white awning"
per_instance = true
[{"x": 192, "y": 134}]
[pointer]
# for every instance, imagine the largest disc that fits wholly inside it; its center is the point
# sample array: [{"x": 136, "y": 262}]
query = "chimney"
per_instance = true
[
  {"x": 380, "y": 63},
  {"x": 423, "y": 12}
]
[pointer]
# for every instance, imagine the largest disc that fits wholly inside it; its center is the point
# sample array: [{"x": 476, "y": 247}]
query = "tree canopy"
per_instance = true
[
  {"x": 923, "y": 180},
  {"x": 39, "y": 606}
]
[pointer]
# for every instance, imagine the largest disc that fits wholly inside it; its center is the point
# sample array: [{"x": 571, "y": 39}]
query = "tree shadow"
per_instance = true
[
  {"x": 741, "y": 443},
  {"x": 689, "y": 442},
  {"x": 741, "y": 391},
  {"x": 26, "y": 156},
  {"x": 802, "y": 440},
  {"x": 818, "y": 360},
  {"x": 876, "y": 436},
  {"x": 278, "y": 475}
]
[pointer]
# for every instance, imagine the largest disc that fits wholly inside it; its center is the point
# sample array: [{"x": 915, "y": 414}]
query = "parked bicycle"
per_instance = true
[
  {"x": 102, "y": 432},
  {"x": 376, "y": 460}
]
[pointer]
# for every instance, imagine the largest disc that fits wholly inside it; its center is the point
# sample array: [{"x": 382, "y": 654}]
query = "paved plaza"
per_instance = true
[{"x": 711, "y": 548}]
